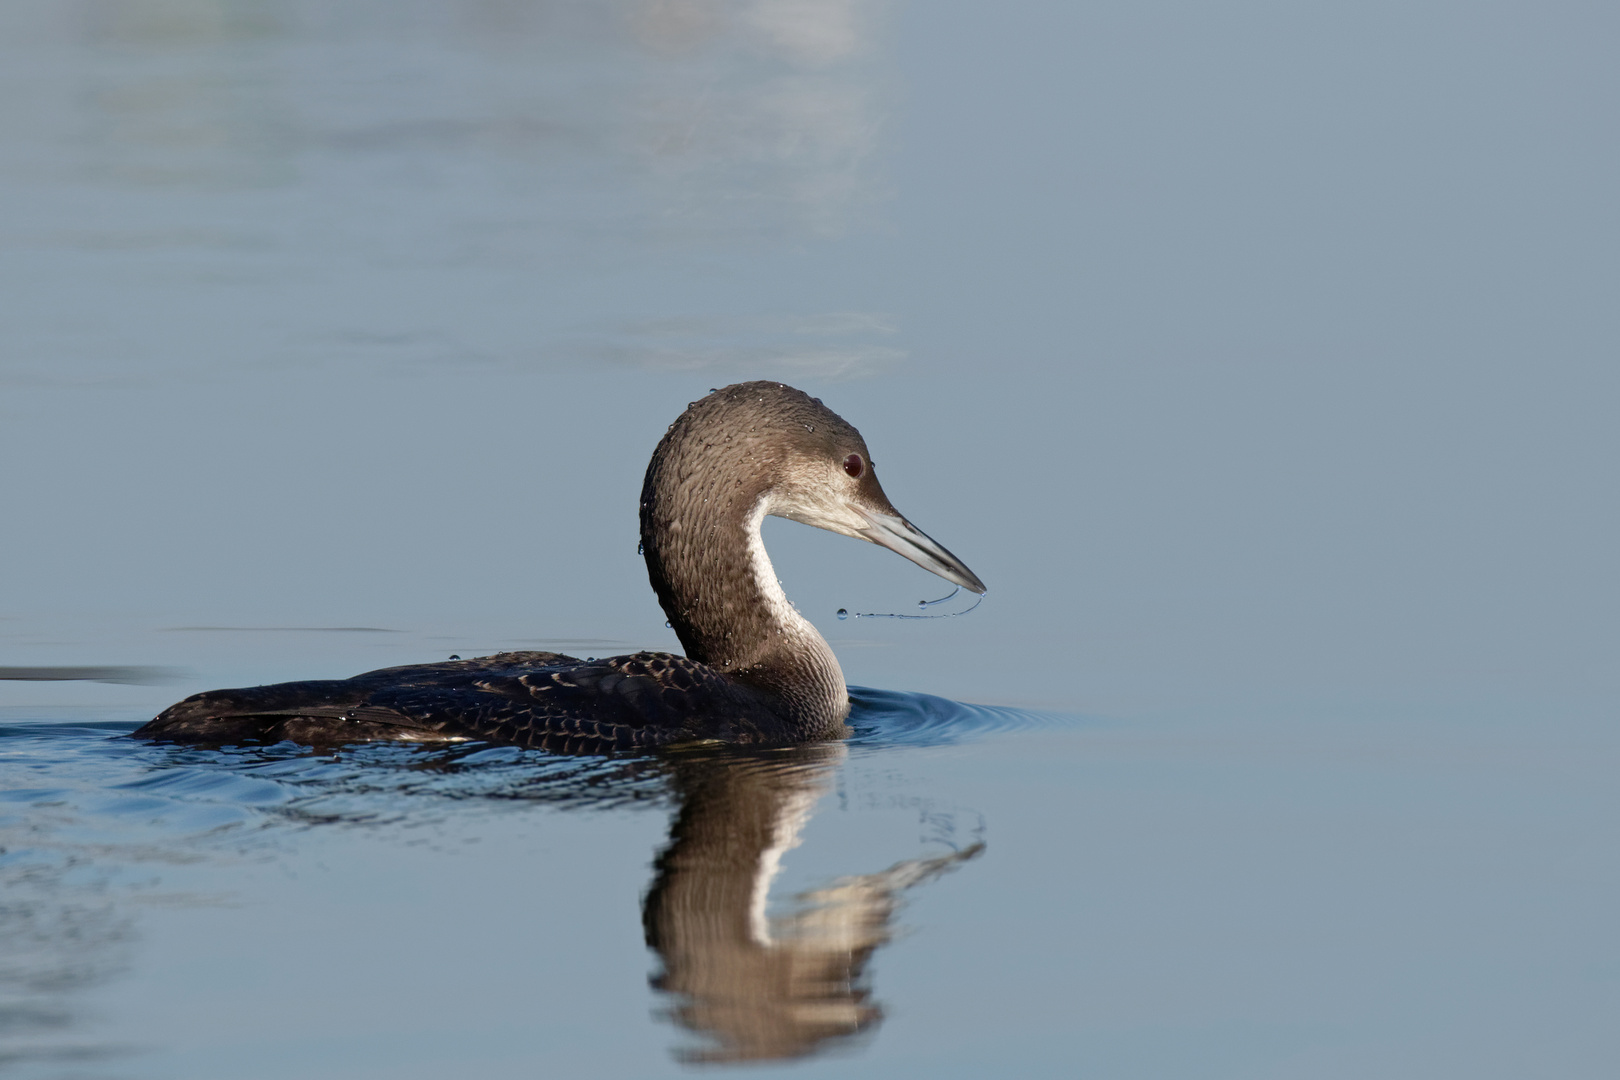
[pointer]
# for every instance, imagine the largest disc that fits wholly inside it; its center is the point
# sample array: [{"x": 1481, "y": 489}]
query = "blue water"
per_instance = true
[
  {"x": 97, "y": 826},
  {"x": 1002, "y": 889},
  {"x": 1261, "y": 361}
]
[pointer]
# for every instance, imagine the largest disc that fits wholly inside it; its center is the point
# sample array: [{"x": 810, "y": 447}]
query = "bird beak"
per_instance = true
[{"x": 902, "y": 537}]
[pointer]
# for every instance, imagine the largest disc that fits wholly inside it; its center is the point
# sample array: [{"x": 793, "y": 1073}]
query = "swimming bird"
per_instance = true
[{"x": 755, "y": 670}]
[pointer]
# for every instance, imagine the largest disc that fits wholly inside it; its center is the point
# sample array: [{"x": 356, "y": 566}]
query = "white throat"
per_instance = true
[
  {"x": 783, "y": 613},
  {"x": 798, "y": 634}
]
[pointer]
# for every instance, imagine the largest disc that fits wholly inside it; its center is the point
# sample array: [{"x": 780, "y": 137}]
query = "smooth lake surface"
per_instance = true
[{"x": 1262, "y": 361}]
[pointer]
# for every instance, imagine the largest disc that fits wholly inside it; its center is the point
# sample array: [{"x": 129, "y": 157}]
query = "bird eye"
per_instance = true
[{"x": 854, "y": 466}]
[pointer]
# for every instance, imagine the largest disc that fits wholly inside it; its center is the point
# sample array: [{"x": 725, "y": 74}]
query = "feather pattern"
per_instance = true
[{"x": 520, "y": 698}]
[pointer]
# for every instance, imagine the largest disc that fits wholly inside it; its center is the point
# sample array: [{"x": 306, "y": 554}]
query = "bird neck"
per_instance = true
[{"x": 707, "y": 563}]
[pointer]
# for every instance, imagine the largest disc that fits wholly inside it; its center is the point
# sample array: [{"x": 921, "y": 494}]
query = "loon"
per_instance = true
[{"x": 755, "y": 670}]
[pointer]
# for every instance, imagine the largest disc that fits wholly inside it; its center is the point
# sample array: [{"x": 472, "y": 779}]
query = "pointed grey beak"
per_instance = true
[{"x": 902, "y": 537}]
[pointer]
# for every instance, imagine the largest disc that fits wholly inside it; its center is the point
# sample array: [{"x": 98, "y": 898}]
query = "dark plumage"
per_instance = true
[{"x": 755, "y": 671}]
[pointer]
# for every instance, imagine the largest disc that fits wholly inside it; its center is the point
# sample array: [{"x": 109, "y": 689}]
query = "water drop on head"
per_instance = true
[
  {"x": 667, "y": 625},
  {"x": 641, "y": 549},
  {"x": 843, "y": 613}
]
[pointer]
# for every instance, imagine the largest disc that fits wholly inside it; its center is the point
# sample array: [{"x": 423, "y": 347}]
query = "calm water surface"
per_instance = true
[{"x": 1261, "y": 361}]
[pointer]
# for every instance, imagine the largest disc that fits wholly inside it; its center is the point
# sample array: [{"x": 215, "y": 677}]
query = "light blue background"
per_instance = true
[{"x": 1260, "y": 357}]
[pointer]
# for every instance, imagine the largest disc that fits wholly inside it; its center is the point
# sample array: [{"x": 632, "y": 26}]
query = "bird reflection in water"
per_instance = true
[
  {"x": 753, "y": 984},
  {"x": 760, "y": 986}
]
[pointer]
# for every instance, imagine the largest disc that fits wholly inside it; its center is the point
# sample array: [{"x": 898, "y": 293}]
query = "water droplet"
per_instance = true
[
  {"x": 843, "y": 613},
  {"x": 454, "y": 656},
  {"x": 668, "y": 625},
  {"x": 641, "y": 549}
]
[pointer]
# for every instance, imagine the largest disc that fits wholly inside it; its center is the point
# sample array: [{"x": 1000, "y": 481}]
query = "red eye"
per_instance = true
[{"x": 854, "y": 466}]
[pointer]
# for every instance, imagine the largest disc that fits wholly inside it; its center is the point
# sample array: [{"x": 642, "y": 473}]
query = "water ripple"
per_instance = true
[
  {"x": 90, "y": 819},
  {"x": 892, "y": 718},
  {"x": 94, "y": 775}
]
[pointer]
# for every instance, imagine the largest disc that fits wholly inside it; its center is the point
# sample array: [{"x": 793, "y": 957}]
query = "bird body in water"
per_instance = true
[{"x": 755, "y": 670}]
